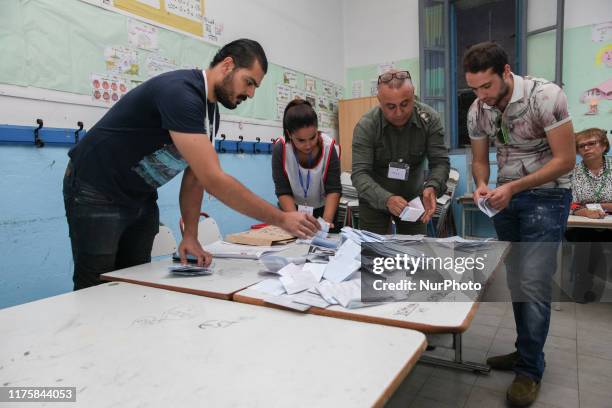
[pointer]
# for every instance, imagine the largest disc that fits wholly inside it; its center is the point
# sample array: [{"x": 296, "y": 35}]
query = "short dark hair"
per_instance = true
[
  {"x": 244, "y": 52},
  {"x": 482, "y": 56},
  {"x": 298, "y": 114}
]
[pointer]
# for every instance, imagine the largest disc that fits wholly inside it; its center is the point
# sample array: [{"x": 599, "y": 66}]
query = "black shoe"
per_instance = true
[{"x": 505, "y": 362}]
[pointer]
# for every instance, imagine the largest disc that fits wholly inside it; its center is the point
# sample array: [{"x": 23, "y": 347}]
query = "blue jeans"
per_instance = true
[
  {"x": 537, "y": 220},
  {"x": 105, "y": 236}
]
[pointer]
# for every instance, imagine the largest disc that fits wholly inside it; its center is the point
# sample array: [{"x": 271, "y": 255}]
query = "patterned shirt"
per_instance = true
[
  {"x": 588, "y": 188},
  {"x": 536, "y": 107}
]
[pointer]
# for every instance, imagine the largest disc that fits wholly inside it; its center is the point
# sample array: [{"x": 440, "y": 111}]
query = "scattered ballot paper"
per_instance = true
[
  {"x": 270, "y": 286},
  {"x": 316, "y": 269},
  {"x": 349, "y": 249},
  {"x": 190, "y": 270},
  {"x": 289, "y": 269},
  {"x": 274, "y": 263},
  {"x": 286, "y": 301},
  {"x": 311, "y": 299},
  {"x": 297, "y": 280},
  {"x": 348, "y": 292},
  {"x": 340, "y": 268},
  {"x": 486, "y": 208},
  {"x": 413, "y": 210}
]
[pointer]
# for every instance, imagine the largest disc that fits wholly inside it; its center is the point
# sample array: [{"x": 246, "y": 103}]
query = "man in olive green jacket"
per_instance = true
[{"x": 391, "y": 144}]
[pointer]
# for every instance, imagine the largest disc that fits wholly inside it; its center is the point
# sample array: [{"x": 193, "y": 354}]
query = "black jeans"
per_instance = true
[{"x": 105, "y": 236}]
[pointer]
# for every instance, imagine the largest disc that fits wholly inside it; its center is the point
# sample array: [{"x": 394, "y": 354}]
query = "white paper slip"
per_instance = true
[
  {"x": 298, "y": 281},
  {"x": 287, "y": 269},
  {"x": 349, "y": 249},
  {"x": 340, "y": 268},
  {"x": 317, "y": 270},
  {"x": 486, "y": 208},
  {"x": 307, "y": 298},
  {"x": 286, "y": 302},
  {"x": 271, "y": 286},
  {"x": 443, "y": 199},
  {"x": 324, "y": 228},
  {"x": 413, "y": 210},
  {"x": 595, "y": 207},
  {"x": 347, "y": 292},
  {"x": 326, "y": 291},
  {"x": 274, "y": 263}
]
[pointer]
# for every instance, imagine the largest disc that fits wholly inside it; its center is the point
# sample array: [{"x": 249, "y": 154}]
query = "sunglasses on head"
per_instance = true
[{"x": 388, "y": 76}]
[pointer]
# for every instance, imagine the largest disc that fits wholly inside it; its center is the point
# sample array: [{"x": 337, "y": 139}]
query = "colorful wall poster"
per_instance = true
[
  {"x": 310, "y": 83},
  {"x": 142, "y": 35},
  {"x": 107, "y": 89},
  {"x": 121, "y": 60},
  {"x": 290, "y": 78}
]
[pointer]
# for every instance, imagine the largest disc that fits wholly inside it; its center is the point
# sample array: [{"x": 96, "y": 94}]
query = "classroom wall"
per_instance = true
[
  {"x": 305, "y": 27},
  {"x": 581, "y": 68},
  {"x": 376, "y": 33},
  {"x": 380, "y": 31},
  {"x": 35, "y": 249}
]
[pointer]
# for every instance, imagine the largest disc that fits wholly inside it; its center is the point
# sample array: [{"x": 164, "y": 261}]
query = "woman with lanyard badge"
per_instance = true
[
  {"x": 306, "y": 165},
  {"x": 592, "y": 198}
]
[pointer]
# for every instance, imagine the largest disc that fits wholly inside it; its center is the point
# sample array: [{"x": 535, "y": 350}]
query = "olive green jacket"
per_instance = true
[{"x": 376, "y": 143}]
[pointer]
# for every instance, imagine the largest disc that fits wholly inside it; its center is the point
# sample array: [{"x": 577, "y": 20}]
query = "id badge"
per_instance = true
[
  {"x": 306, "y": 209},
  {"x": 398, "y": 171}
]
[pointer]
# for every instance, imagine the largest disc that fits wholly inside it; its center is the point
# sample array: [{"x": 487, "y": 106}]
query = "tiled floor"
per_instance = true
[{"x": 578, "y": 362}]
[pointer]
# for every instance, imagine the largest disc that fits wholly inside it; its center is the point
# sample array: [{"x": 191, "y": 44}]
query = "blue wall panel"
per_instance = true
[{"x": 34, "y": 244}]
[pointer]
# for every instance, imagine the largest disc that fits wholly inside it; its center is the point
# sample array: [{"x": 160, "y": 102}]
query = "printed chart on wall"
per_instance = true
[
  {"x": 107, "y": 89},
  {"x": 184, "y": 15},
  {"x": 595, "y": 97},
  {"x": 142, "y": 35},
  {"x": 323, "y": 97}
]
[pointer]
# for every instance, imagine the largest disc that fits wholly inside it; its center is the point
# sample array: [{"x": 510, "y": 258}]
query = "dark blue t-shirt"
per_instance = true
[{"x": 128, "y": 154}]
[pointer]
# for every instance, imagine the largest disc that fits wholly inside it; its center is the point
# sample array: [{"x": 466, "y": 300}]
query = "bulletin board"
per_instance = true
[
  {"x": 71, "y": 45},
  {"x": 585, "y": 70},
  {"x": 185, "y": 15}
]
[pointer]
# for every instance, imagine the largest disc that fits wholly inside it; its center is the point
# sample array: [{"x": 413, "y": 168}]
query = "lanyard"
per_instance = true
[
  {"x": 211, "y": 132},
  {"x": 307, "y": 174},
  {"x": 591, "y": 179}
]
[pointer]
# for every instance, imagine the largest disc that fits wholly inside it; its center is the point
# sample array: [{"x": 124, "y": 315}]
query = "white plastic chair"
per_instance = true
[
  {"x": 208, "y": 230},
  {"x": 164, "y": 242}
]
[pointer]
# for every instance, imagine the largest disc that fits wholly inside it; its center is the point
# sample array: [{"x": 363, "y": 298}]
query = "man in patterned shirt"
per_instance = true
[{"x": 528, "y": 121}]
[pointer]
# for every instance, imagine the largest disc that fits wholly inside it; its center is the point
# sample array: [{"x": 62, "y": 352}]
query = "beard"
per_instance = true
[
  {"x": 502, "y": 93},
  {"x": 225, "y": 91}
]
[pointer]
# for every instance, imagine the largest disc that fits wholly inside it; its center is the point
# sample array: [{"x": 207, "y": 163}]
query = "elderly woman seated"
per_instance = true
[{"x": 592, "y": 196}]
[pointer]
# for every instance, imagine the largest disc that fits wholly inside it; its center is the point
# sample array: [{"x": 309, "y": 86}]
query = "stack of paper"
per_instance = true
[
  {"x": 348, "y": 190},
  {"x": 413, "y": 211},
  {"x": 190, "y": 270}
]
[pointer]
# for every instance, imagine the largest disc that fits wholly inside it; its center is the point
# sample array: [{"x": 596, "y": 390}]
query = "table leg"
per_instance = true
[{"x": 457, "y": 362}]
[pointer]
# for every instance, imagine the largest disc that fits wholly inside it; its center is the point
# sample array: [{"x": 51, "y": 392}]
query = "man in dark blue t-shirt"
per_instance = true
[{"x": 160, "y": 128}]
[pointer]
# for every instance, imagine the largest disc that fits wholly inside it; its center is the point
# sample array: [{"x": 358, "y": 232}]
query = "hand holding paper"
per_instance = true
[
  {"x": 485, "y": 207},
  {"x": 413, "y": 210}
]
